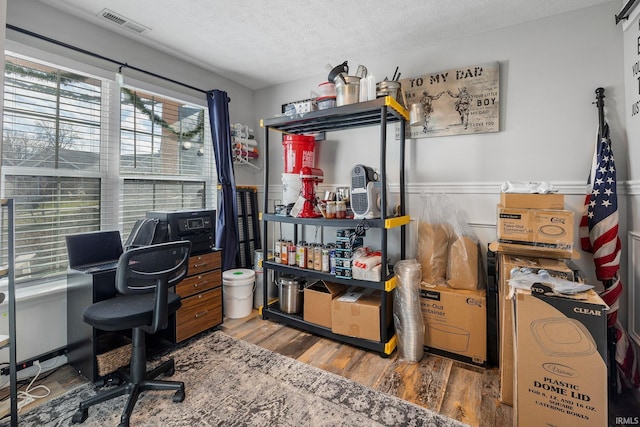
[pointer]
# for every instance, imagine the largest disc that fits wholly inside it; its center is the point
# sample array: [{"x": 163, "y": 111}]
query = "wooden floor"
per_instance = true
[{"x": 458, "y": 390}]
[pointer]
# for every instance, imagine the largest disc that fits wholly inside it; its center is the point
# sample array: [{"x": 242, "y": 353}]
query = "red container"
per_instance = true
[{"x": 299, "y": 151}]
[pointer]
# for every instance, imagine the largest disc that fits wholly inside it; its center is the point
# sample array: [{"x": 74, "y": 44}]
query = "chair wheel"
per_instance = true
[
  {"x": 80, "y": 416},
  {"x": 178, "y": 396},
  {"x": 169, "y": 372}
]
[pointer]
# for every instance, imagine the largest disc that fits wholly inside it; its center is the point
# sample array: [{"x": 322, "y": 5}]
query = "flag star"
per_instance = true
[
  {"x": 609, "y": 180},
  {"x": 606, "y": 203},
  {"x": 590, "y": 214},
  {"x": 612, "y": 169},
  {"x": 598, "y": 181},
  {"x": 592, "y": 204},
  {"x": 596, "y": 192},
  {"x": 605, "y": 158},
  {"x": 602, "y": 170},
  {"x": 608, "y": 191}
]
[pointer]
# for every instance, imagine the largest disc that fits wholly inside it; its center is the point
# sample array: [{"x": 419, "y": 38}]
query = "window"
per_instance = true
[
  {"x": 161, "y": 154},
  {"x": 59, "y": 162},
  {"x": 50, "y": 160}
]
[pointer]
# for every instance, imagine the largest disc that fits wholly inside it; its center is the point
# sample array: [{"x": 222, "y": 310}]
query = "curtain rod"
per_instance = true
[
  {"x": 623, "y": 13},
  {"x": 95, "y": 55}
]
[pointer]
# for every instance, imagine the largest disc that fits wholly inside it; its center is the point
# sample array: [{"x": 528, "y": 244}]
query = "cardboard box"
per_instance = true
[
  {"x": 507, "y": 262},
  {"x": 560, "y": 358},
  {"x": 317, "y": 302},
  {"x": 532, "y": 201},
  {"x": 533, "y": 251},
  {"x": 547, "y": 228},
  {"x": 455, "y": 323},
  {"x": 357, "y": 313}
]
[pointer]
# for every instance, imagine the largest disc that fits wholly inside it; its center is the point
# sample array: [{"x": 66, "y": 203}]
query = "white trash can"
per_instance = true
[{"x": 237, "y": 292}]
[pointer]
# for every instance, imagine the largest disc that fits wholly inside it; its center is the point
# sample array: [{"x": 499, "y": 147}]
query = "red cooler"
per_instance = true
[{"x": 299, "y": 151}]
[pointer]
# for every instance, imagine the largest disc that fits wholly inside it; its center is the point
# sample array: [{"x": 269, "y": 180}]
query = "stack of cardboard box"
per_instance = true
[
  {"x": 453, "y": 300},
  {"x": 552, "y": 347}
]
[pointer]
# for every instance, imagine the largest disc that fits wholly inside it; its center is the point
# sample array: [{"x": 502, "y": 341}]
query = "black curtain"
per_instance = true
[{"x": 227, "y": 225}]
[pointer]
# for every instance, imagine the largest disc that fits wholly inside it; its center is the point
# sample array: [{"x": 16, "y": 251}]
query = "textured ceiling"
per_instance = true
[{"x": 260, "y": 43}]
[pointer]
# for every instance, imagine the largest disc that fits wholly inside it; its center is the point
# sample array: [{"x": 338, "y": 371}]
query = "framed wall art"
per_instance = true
[{"x": 459, "y": 101}]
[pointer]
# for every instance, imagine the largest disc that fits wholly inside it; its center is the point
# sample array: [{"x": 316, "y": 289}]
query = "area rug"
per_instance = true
[{"x": 234, "y": 383}]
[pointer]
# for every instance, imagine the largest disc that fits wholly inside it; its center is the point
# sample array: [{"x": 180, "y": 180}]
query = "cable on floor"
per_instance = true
[{"x": 27, "y": 396}]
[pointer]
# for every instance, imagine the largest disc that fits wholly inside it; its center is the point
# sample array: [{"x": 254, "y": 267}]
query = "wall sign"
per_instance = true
[{"x": 459, "y": 101}]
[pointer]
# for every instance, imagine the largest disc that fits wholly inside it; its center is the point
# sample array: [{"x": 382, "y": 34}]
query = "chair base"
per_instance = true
[{"x": 133, "y": 389}]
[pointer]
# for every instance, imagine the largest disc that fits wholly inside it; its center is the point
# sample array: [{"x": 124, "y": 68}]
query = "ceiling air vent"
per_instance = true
[{"x": 122, "y": 21}]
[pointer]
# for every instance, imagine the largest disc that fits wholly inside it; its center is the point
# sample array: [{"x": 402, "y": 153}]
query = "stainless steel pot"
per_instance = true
[
  {"x": 291, "y": 294},
  {"x": 347, "y": 90},
  {"x": 388, "y": 88}
]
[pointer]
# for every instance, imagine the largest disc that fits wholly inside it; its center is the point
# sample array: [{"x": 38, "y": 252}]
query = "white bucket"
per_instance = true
[
  {"x": 291, "y": 187},
  {"x": 237, "y": 292}
]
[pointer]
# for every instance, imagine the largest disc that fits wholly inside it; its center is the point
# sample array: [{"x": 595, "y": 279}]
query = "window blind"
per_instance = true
[
  {"x": 162, "y": 155},
  {"x": 50, "y": 160}
]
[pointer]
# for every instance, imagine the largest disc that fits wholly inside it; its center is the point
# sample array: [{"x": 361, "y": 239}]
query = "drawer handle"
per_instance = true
[
  {"x": 199, "y": 265},
  {"x": 202, "y": 313}
]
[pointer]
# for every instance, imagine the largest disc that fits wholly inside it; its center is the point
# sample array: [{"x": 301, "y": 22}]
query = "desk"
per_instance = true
[
  {"x": 84, "y": 289},
  {"x": 201, "y": 293}
]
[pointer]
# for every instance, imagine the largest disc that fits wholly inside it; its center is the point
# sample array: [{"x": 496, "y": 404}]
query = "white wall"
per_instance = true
[{"x": 549, "y": 70}]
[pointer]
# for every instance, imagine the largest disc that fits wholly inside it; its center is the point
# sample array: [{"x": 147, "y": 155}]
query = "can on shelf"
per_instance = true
[
  {"x": 291, "y": 254},
  {"x": 310, "y": 255},
  {"x": 317, "y": 257},
  {"x": 301, "y": 255},
  {"x": 277, "y": 251},
  {"x": 332, "y": 259},
  {"x": 325, "y": 259},
  {"x": 284, "y": 255}
]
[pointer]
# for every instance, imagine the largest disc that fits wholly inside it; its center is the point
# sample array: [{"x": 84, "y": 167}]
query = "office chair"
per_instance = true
[{"x": 144, "y": 303}]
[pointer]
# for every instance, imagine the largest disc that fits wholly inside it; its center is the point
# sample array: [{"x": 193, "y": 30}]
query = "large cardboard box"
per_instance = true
[
  {"x": 506, "y": 263},
  {"x": 546, "y": 228},
  {"x": 532, "y": 201},
  {"x": 317, "y": 302},
  {"x": 356, "y": 313},
  {"x": 455, "y": 323},
  {"x": 561, "y": 359}
]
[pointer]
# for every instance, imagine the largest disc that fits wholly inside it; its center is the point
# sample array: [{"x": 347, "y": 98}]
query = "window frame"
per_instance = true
[{"x": 111, "y": 181}]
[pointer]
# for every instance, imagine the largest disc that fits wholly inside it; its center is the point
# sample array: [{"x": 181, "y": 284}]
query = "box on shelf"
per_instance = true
[
  {"x": 561, "y": 359},
  {"x": 532, "y": 201},
  {"x": 349, "y": 243},
  {"x": 344, "y": 273},
  {"x": 547, "y": 228},
  {"x": 356, "y": 313},
  {"x": 317, "y": 302},
  {"x": 455, "y": 323},
  {"x": 506, "y": 263}
]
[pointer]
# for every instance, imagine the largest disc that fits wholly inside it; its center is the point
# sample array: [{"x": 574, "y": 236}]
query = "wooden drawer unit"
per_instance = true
[
  {"x": 199, "y": 313},
  {"x": 205, "y": 262},
  {"x": 201, "y": 293},
  {"x": 199, "y": 283}
]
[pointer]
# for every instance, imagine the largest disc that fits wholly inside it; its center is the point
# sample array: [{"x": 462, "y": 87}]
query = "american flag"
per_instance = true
[{"x": 599, "y": 235}]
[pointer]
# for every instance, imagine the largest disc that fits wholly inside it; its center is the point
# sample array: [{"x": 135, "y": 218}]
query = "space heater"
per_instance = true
[{"x": 365, "y": 192}]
